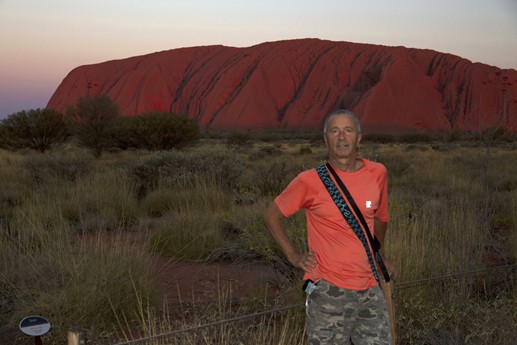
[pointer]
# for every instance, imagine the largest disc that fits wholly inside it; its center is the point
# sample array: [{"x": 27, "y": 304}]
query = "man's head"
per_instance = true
[
  {"x": 342, "y": 134},
  {"x": 342, "y": 112}
]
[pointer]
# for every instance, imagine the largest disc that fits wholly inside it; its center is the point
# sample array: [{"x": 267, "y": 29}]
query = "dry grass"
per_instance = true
[{"x": 453, "y": 209}]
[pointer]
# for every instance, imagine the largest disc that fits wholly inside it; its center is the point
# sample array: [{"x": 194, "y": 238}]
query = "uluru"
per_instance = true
[{"x": 292, "y": 84}]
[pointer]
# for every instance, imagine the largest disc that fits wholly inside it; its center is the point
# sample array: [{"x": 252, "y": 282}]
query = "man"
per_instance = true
[{"x": 347, "y": 303}]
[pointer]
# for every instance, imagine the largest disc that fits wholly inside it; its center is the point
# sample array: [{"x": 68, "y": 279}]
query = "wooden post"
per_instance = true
[{"x": 76, "y": 336}]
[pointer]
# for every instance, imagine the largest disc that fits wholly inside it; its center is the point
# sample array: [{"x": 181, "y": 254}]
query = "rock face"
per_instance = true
[{"x": 293, "y": 84}]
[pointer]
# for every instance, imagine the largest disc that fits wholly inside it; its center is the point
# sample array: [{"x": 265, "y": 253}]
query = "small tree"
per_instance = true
[
  {"x": 94, "y": 118},
  {"x": 162, "y": 131},
  {"x": 37, "y": 129},
  {"x": 120, "y": 133}
]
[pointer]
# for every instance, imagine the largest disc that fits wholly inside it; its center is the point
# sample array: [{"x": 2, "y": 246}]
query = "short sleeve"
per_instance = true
[{"x": 294, "y": 197}]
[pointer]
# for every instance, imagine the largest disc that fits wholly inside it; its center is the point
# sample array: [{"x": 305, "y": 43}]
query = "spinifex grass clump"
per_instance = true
[
  {"x": 59, "y": 166},
  {"x": 193, "y": 218},
  {"x": 70, "y": 281},
  {"x": 219, "y": 166}
]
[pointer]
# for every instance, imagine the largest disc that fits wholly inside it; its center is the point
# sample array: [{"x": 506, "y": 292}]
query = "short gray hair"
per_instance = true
[{"x": 342, "y": 112}]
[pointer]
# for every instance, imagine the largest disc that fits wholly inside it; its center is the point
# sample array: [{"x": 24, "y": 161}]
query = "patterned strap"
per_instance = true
[{"x": 347, "y": 214}]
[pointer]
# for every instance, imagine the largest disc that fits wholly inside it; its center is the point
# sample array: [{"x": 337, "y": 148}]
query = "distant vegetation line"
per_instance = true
[{"x": 96, "y": 123}]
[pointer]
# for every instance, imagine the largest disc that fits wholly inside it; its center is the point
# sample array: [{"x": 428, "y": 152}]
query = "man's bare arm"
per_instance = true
[{"x": 273, "y": 218}]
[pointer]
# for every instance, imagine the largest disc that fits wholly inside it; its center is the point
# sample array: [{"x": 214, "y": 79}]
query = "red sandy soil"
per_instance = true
[{"x": 184, "y": 282}]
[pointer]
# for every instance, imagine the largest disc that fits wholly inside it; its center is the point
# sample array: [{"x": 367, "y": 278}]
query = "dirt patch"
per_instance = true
[{"x": 183, "y": 282}]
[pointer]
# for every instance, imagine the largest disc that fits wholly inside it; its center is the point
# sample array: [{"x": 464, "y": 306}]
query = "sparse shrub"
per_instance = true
[
  {"x": 161, "y": 131},
  {"x": 221, "y": 167},
  {"x": 270, "y": 178},
  {"x": 149, "y": 169},
  {"x": 397, "y": 164},
  {"x": 491, "y": 135},
  {"x": 54, "y": 166},
  {"x": 418, "y": 147},
  {"x": 440, "y": 147},
  {"x": 458, "y": 135},
  {"x": 199, "y": 194},
  {"x": 305, "y": 150},
  {"x": 188, "y": 235},
  {"x": 269, "y": 151},
  {"x": 379, "y": 138},
  {"x": 421, "y": 137},
  {"x": 14, "y": 187},
  {"x": 237, "y": 139},
  {"x": 37, "y": 129},
  {"x": 93, "y": 120},
  {"x": 104, "y": 200},
  {"x": 120, "y": 134}
]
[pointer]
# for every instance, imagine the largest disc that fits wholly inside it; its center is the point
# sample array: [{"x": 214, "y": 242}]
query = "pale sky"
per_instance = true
[{"x": 42, "y": 40}]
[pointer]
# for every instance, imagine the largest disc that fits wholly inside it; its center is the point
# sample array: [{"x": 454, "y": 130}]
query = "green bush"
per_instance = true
[
  {"x": 220, "y": 167},
  {"x": 37, "y": 129},
  {"x": 272, "y": 176},
  {"x": 160, "y": 131},
  {"x": 237, "y": 139},
  {"x": 94, "y": 119}
]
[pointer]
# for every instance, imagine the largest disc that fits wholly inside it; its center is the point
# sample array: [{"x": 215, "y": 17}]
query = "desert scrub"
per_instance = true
[
  {"x": 187, "y": 235},
  {"x": 58, "y": 166},
  {"x": 270, "y": 176},
  {"x": 14, "y": 187},
  {"x": 220, "y": 166},
  {"x": 103, "y": 200},
  {"x": 192, "y": 218},
  {"x": 476, "y": 320},
  {"x": 199, "y": 194},
  {"x": 87, "y": 282},
  {"x": 435, "y": 236}
]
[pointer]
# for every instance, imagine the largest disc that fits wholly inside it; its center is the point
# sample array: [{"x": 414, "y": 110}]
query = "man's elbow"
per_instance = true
[{"x": 272, "y": 214}]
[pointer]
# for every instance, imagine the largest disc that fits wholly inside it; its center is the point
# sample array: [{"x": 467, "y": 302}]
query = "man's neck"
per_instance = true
[{"x": 350, "y": 164}]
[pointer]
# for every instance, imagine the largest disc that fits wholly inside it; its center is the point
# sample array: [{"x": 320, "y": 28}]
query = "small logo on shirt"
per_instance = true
[{"x": 368, "y": 204}]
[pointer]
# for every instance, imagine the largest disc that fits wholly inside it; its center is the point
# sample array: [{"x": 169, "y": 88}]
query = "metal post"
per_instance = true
[{"x": 76, "y": 336}]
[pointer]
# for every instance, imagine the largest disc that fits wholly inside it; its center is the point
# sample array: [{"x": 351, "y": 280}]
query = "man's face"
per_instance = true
[{"x": 341, "y": 137}]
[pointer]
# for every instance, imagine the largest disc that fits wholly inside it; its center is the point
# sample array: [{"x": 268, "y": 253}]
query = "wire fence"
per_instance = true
[{"x": 477, "y": 313}]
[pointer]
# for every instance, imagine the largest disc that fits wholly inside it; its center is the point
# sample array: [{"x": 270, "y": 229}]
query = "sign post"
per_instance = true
[{"x": 35, "y": 326}]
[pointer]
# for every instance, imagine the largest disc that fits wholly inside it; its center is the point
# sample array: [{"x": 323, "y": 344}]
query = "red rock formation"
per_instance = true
[{"x": 293, "y": 84}]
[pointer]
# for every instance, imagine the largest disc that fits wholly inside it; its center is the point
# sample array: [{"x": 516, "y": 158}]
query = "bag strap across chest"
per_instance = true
[{"x": 350, "y": 218}]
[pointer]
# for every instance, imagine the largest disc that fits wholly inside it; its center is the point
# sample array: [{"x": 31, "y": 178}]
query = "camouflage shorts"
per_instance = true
[{"x": 339, "y": 316}]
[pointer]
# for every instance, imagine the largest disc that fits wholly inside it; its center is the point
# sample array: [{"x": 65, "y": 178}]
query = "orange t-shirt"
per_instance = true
[{"x": 341, "y": 256}]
